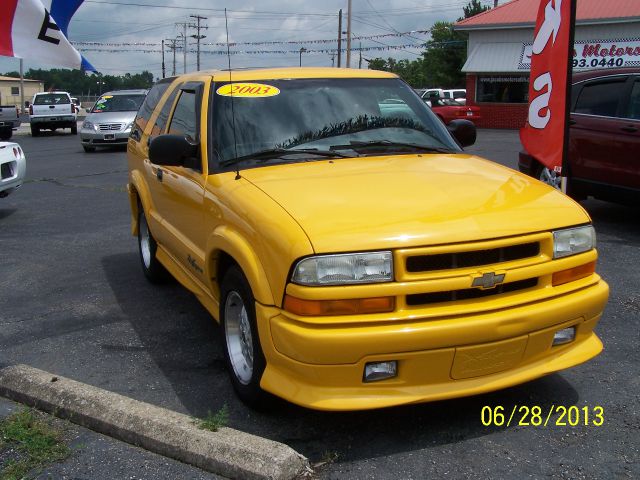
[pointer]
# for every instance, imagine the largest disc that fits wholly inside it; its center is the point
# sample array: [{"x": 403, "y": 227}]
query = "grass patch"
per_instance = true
[
  {"x": 214, "y": 421},
  {"x": 29, "y": 442}
]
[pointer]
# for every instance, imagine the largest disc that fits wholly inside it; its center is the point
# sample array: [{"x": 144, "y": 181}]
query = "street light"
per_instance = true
[
  {"x": 302, "y": 50},
  {"x": 100, "y": 83}
]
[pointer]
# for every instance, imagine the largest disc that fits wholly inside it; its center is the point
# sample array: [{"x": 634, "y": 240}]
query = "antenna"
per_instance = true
[{"x": 233, "y": 115}]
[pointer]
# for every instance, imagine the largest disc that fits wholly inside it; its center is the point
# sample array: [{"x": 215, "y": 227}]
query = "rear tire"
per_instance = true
[
  {"x": 35, "y": 131},
  {"x": 243, "y": 353},
  {"x": 74, "y": 130},
  {"x": 147, "y": 247},
  {"x": 6, "y": 134}
]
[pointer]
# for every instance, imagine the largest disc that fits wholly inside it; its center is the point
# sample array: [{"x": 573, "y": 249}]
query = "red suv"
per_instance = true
[{"x": 604, "y": 152}]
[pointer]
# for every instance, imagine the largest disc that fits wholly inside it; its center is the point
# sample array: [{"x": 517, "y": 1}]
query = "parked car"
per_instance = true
[
  {"x": 110, "y": 120},
  {"x": 354, "y": 257},
  {"x": 604, "y": 147},
  {"x": 52, "y": 110},
  {"x": 9, "y": 121},
  {"x": 13, "y": 166},
  {"x": 457, "y": 94},
  {"x": 448, "y": 110}
]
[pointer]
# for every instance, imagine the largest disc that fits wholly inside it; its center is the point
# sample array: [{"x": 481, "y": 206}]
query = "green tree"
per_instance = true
[
  {"x": 444, "y": 57},
  {"x": 474, "y": 7}
]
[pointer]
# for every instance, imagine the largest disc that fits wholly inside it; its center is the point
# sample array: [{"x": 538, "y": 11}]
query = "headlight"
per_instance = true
[
  {"x": 128, "y": 127},
  {"x": 88, "y": 125},
  {"x": 344, "y": 269},
  {"x": 573, "y": 240}
]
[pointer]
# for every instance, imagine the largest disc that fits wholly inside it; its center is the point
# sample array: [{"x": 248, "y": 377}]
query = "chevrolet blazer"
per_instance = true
[{"x": 354, "y": 256}]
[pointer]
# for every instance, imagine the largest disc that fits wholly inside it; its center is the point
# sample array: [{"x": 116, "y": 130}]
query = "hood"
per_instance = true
[
  {"x": 111, "y": 117},
  {"x": 412, "y": 200}
]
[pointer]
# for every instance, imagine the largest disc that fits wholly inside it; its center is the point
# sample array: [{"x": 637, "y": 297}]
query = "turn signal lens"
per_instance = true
[
  {"x": 575, "y": 273},
  {"x": 351, "y": 306}
]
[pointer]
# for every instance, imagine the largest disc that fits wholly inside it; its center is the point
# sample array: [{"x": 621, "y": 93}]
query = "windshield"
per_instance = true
[
  {"x": 444, "y": 102},
  {"x": 326, "y": 115},
  {"x": 118, "y": 103}
]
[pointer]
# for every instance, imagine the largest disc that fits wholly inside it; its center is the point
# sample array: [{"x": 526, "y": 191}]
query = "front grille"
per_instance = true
[
  {"x": 110, "y": 127},
  {"x": 473, "y": 258},
  {"x": 469, "y": 293},
  {"x": 7, "y": 170}
]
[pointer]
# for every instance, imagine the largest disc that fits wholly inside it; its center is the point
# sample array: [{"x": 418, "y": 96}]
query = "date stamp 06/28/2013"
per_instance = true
[{"x": 538, "y": 416}]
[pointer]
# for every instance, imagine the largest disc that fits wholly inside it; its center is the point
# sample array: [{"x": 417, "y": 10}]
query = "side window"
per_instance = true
[
  {"x": 163, "y": 116},
  {"x": 601, "y": 97},
  {"x": 153, "y": 97},
  {"x": 634, "y": 102},
  {"x": 184, "y": 121}
]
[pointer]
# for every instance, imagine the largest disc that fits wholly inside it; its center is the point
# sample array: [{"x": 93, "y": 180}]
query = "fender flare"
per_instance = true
[
  {"x": 231, "y": 242},
  {"x": 138, "y": 190}
]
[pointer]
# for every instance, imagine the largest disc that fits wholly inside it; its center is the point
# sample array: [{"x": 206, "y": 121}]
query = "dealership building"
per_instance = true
[
  {"x": 10, "y": 93},
  {"x": 607, "y": 34}
]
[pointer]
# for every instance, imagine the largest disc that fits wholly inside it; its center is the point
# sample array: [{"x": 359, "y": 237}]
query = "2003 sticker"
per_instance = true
[{"x": 247, "y": 90}]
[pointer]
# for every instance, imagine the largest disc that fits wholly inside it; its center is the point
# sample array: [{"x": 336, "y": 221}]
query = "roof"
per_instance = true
[
  {"x": 136, "y": 91},
  {"x": 519, "y": 13},
  {"x": 239, "y": 75},
  {"x": 17, "y": 79},
  {"x": 494, "y": 57}
]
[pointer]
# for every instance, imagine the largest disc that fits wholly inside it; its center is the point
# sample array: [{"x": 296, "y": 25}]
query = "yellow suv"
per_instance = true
[{"x": 353, "y": 255}]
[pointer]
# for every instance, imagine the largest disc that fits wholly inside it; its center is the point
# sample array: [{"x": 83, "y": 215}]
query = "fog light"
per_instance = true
[
  {"x": 375, "y": 371},
  {"x": 563, "y": 336}
]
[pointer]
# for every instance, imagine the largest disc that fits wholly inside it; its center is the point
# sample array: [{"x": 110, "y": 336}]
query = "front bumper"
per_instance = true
[
  {"x": 93, "y": 138},
  {"x": 321, "y": 366}
]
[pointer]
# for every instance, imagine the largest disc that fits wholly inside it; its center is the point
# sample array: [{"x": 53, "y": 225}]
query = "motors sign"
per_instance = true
[{"x": 592, "y": 54}]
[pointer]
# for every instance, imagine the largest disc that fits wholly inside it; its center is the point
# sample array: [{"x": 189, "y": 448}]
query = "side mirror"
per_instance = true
[
  {"x": 172, "y": 150},
  {"x": 463, "y": 131}
]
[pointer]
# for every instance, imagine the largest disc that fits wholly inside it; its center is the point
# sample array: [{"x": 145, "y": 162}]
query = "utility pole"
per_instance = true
[
  {"x": 360, "y": 61},
  {"x": 495, "y": 3},
  {"x": 302, "y": 49},
  {"x": 333, "y": 59},
  {"x": 184, "y": 26},
  {"x": 21, "y": 86},
  {"x": 197, "y": 36},
  {"x": 349, "y": 34},
  {"x": 173, "y": 47},
  {"x": 340, "y": 38},
  {"x": 163, "y": 70}
]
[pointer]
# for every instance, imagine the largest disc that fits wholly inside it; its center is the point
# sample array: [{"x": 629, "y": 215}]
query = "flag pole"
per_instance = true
[{"x": 567, "y": 111}]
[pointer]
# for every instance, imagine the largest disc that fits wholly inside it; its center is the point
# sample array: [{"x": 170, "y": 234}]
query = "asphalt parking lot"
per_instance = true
[{"x": 74, "y": 302}]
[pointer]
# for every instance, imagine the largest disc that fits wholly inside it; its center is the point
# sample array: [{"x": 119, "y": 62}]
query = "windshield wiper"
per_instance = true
[
  {"x": 355, "y": 145},
  {"x": 270, "y": 153}
]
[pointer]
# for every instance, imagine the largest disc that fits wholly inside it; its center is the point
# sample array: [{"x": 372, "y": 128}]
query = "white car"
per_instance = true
[
  {"x": 52, "y": 110},
  {"x": 13, "y": 166}
]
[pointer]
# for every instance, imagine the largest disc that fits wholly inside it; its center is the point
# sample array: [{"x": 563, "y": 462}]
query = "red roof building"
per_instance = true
[{"x": 497, "y": 67}]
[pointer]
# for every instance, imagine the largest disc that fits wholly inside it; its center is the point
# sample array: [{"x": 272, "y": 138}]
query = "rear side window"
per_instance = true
[
  {"x": 52, "y": 99},
  {"x": 601, "y": 97},
  {"x": 149, "y": 104},
  {"x": 184, "y": 121}
]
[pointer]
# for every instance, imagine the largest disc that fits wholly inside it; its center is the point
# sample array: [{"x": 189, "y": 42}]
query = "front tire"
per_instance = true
[
  {"x": 6, "y": 134},
  {"x": 147, "y": 247},
  {"x": 74, "y": 130},
  {"x": 243, "y": 353},
  {"x": 35, "y": 131},
  {"x": 88, "y": 149}
]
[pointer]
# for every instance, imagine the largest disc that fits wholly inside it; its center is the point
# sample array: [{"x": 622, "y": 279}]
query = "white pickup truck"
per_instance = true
[
  {"x": 52, "y": 110},
  {"x": 9, "y": 121}
]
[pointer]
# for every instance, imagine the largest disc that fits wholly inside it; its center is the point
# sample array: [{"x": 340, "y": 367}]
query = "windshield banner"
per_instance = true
[
  {"x": 545, "y": 133},
  {"x": 28, "y": 30}
]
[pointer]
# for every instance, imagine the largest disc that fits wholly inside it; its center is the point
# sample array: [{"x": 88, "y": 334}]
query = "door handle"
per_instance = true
[
  {"x": 159, "y": 174},
  {"x": 629, "y": 129}
]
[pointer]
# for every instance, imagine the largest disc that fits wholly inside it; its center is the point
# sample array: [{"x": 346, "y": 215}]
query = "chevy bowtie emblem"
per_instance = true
[{"x": 488, "y": 280}]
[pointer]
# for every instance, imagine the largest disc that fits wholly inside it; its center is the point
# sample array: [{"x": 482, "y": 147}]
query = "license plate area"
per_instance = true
[
  {"x": 469, "y": 114},
  {"x": 109, "y": 136}
]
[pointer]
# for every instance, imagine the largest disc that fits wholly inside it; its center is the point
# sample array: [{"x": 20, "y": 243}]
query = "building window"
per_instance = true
[
  {"x": 502, "y": 89},
  {"x": 15, "y": 90}
]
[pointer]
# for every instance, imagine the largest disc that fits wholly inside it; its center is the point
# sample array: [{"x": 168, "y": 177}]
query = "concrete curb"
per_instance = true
[{"x": 227, "y": 452}]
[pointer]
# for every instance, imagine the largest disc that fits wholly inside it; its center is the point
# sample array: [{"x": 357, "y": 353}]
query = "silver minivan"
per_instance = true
[{"x": 110, "y": 119}]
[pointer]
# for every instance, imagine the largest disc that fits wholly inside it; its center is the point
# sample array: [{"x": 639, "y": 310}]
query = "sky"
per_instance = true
[{"x": 115, "y": 28}]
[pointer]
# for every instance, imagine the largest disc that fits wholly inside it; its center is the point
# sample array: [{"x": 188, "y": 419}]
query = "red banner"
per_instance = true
[{"x": 544, "y": 134}]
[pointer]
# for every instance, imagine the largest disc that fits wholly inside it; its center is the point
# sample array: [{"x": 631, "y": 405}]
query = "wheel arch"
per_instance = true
[
  {"x": 138, "y": 195},
  {"x": 228, "y": 247}
]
